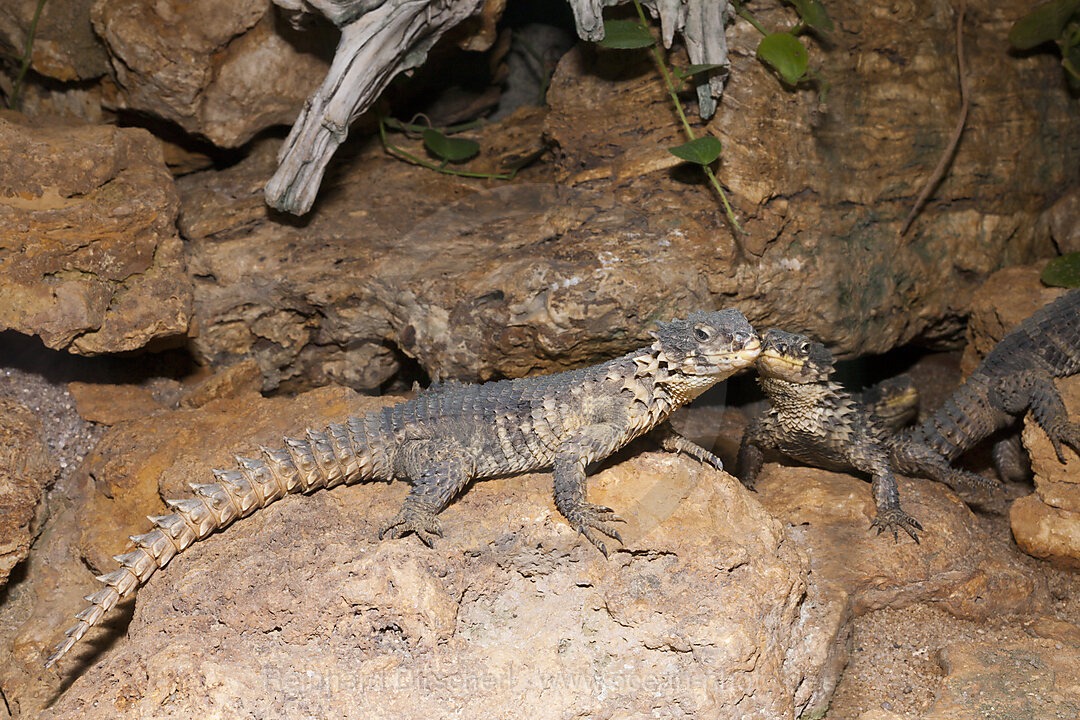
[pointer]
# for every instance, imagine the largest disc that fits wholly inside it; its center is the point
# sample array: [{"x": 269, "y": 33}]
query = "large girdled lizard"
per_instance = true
[
  {"x": 1016, "y": 376},
  {"x": 443, "y": 438},
  {"x": 817, "y": 422}
]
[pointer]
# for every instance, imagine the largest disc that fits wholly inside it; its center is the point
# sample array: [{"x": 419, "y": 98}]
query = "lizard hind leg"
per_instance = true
[
  {"x": 439, "y": 472},
  {"x": 1049, "y": 411}
]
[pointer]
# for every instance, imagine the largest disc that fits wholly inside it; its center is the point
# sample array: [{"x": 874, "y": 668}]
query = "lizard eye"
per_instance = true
[
  {"x": 702, "y": 334},
  {"x": 805, "y": 348}
]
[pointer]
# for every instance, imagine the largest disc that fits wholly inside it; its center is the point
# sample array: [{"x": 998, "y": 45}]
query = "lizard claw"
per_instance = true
[
  {"x": 1067, "y": 433},
  {"x": 587, "y": 519},
  {"x": 410, "y": 520},
  {"x": 896, "y": 519}
]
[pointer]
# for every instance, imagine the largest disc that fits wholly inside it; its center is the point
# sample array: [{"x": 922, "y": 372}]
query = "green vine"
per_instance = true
[
  {"x": 703, "y": 151},
  {"x": 24, "y": 61}
]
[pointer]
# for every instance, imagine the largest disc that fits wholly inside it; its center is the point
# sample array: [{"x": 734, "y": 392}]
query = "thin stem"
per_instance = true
[
  {"x": 943, "y": 164},
  {"x": 14, "y": 101},
  {"x": 395, "y": 150},
  {"x": 745, "y": 15},
  {"x": 413, "y": 128},
  {"x": 673, "y": 92}
]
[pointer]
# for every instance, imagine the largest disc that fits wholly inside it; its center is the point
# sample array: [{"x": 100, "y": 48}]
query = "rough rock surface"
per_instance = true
[
  {"x": 25, "y": 470},
  {"x": 90, "y": 258},
  {"x": 1046, "y": 524},
  {"x": 1033, "y": 678},
  {"x": 957, "y": 565},
  {"x": 701, "y": 613},
  {"x": 221, "y": 70},
  {"x": 478, "y": 281},
  {"x": 65, "y": 47}
]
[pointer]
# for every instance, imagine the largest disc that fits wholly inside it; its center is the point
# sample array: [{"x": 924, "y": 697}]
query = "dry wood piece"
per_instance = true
[{"x": 381, "y": 38}]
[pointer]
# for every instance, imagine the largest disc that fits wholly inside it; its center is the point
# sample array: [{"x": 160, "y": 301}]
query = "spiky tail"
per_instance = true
[{"x": 341, "y": 454}]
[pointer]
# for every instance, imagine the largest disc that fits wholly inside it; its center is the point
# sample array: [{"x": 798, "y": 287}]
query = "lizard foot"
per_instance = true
[
  {"x": 411, "y": 520},
  {"x": 896, "y": 519},
  {"x": 588, "y": 519},
  {"x": 1067, "y": 433}
]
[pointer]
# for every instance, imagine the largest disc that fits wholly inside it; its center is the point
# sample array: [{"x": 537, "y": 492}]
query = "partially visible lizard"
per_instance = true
[
  {"x": 815, "y": 421},
  {"x": 444, "y": 438},
  {"x": 1016, "y": 376}
]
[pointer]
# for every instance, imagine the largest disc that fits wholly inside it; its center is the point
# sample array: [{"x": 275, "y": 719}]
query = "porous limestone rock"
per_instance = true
[
  {"x": 476, "y": 280},
  {"x": 224, "y": 71},
  {"x": 90, "y": 258},
  {"x": 25, "y": 471},
  {"x": 704, "y": 608}
]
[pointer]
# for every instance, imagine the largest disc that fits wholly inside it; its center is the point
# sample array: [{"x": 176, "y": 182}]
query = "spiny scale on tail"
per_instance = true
[{"x": 322, "y": 460}]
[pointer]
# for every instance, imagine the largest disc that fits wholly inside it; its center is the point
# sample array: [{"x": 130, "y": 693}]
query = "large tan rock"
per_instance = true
[
  {"x": 704, "y": 609},
  {"x": 586, "y": 249},
  {"x": 958, "y": 564},
  {"x": 25, "y": 470},
  {"x": 91, "y": 260},
  {"x": 221, "y": 70}
]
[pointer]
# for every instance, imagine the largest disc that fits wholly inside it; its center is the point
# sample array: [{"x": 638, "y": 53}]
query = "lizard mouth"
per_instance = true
[{"x": 773, "y": 360}]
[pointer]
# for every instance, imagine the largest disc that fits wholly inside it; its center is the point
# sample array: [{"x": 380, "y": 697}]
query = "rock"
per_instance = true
[
  {"x": 822, "y": 191},
  {"x": 92, "y": 261},
  {"x": 25, "y": 471},
  {"x": 111, "y": 404},
  {"x": 1064, "y": 220},
  {"x": 64, "y": 48},
  {"x": 222, "y": 71},
  {"x": 1044, "y": 531},
  {"x": 704, "y": 608},
  {"x": 958, "y": 565},
  {"x": 479, "y": 282},
  {"x": 238, "y": 379},
  {"x": 1030, "y": 678}
]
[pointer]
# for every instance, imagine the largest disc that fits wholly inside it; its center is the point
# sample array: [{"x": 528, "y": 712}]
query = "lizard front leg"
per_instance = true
[
  {"x": 589, "y": 444},
  {"x": 871, "y": 460},
  {"x": 439, "y": 472},
  {"x": 674, "y": 442},
  {"x": 760, "y": 435}
]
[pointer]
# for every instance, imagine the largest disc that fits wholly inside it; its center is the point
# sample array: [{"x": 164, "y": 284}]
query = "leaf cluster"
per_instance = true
[{"x": 1057, "y": 21}]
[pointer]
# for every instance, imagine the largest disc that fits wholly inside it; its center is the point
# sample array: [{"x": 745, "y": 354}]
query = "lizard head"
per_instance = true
[
  {"x": 794, "y": 358},
  {"x": 709, "y": 345}
]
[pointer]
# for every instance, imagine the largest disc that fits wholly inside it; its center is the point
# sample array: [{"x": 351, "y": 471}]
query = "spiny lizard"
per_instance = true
[
  {"x": 443, "y": 438},
  {"x": 815, "y": 421},
  {"x": 1016, "y": 376}
]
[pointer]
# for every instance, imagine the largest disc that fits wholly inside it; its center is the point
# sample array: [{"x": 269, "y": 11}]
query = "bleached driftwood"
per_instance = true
[
  {"x": 700, "y": 22},
  {"x": 381, "y": 38}
]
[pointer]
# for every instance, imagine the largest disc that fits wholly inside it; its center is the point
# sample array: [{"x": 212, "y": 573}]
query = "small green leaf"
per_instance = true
[
  {"x": 702, "y": 151},
  {"x": 625, "y": 35},
  {"x": 786, "y": 54},
  {"x": 813, "y": 14},
  {"x": 1063, "y": 271},
  {"x": 695, "y": 69},
  {"x": 449, "y": 149},
  {"x": 1042, "y": 24}
]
